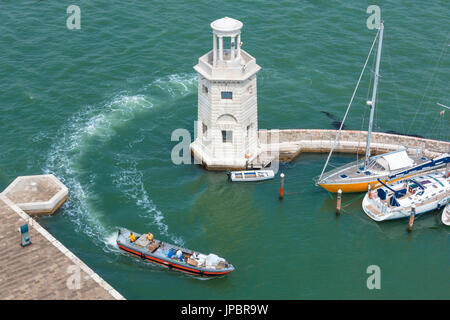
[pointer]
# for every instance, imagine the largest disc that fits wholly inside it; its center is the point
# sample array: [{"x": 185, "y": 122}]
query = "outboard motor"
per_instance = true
[{"x": 229, "y": 174}]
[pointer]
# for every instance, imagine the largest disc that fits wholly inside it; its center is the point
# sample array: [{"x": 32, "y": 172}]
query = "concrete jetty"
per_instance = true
[
  {"x": 289, "y": 143},
  {"x": 36, "y": 195},
  {"x": 46, "y": 269}
]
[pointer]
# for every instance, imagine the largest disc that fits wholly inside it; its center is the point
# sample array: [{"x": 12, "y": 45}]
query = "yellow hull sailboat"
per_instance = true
[
  {"x": 389, "y": 167},
  {"x": 353, "y": 178}
]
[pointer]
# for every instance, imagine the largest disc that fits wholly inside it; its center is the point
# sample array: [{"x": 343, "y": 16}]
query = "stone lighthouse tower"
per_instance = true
[{"x": 227, "y": 127}]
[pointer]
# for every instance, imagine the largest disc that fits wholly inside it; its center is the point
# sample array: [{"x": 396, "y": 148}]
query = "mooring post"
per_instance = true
[
  {"x": 338, "y": 203},
  {"x": 411, "y": 218},
  {"x": 281, "y": 186}
]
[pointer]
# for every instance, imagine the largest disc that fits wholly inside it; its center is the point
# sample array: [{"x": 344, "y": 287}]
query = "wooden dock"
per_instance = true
[{"x": 46, "y": 269}]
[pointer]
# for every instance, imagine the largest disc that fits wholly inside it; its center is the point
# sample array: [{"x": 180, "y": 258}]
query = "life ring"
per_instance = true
[{"x": 411, "y": 190}]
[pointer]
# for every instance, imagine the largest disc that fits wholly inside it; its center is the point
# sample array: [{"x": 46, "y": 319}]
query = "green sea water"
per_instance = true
[{"x": 97, "y": 106}]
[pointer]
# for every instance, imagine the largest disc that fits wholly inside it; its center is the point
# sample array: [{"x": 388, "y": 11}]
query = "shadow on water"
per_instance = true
[
  {"x": 403, "y": 134},
  {"x": 336, "y": 123}
]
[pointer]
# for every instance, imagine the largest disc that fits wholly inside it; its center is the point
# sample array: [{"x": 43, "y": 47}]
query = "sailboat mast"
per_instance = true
[{"x": 374, "y": 95}]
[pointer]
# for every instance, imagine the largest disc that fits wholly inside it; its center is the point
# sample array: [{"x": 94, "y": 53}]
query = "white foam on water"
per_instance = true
[
  {"x": 130, "y": 181},
  {"x": 111, "y": 243},
  {"x": 86, "y": 129},
  {"x": 177, "y": 85},
  {"x": 71, "y": 142}
]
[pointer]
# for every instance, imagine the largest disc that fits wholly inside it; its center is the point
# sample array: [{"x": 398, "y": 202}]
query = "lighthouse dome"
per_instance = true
[{"x": 226, "y": 25}]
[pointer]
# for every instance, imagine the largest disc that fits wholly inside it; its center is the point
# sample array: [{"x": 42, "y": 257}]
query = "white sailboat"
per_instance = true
[
  {"x": 426, "y": 192},
  {"x": 359, "y": 175}
]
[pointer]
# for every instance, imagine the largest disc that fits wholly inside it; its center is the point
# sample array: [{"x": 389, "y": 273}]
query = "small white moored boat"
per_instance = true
[
  {"x": 251, "y": 175},
  {"x": 426, "y": 193}
]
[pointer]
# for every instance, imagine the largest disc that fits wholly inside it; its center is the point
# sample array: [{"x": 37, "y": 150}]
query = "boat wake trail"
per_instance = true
[
  {"x": 177, "y": 85},
  {"x": 88, "y": 130},
  {"x": 130, "y": 181}
]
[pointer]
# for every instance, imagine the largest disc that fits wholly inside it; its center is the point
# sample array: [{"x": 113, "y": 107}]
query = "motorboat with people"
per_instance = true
[
  {"x": 251, "y": 175},
  {"x": 420, "y": 194},
  {"x": 174, "y": 257}
]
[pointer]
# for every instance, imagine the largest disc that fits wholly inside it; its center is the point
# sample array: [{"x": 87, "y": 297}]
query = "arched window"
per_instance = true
[{"x": 226, "y": 119}]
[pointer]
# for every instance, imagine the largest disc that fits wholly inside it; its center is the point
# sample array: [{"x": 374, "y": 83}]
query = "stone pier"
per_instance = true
[
  {"x": 36, "y": 195},
  {"x": 292, "y": 142},
  {"x": 46, "y": 269}
]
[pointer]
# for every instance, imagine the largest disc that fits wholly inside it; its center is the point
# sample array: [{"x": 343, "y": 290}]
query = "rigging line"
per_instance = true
[
  {"x": 301, "y": 191},
  {"x": 370, "y": 79},
  {"x": 365, "y": 109},
  {"x": 346, "y": 204},
  {"x": 434, "y": 129},
  {"x": 432, "y": 95},
  {"x": 429, "y": 82},
  {"x": 359, "y": 135},
  {"x": 439, "y": 125},
  {"x": 442, "y": 129},
  {"x": 349, "y": 105},
  {"x": 426, "y": 123},
  {"x": 446, "y": 131},
  {"x": 443, "y": 53},
  {"x": 440, "y": 104},
  {"x": 397, "y": 104},
  {"x": 376, "y": 122},
  {"x": 329, "y": 193}
]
